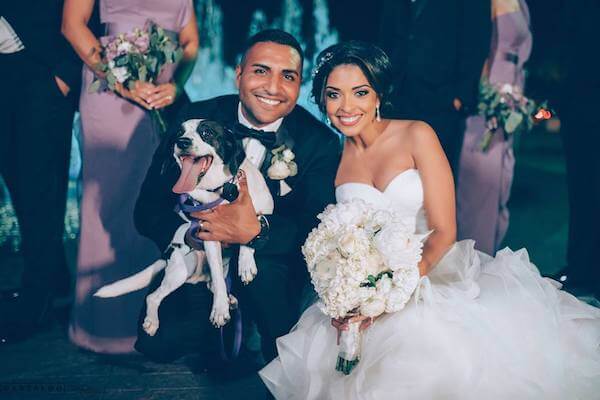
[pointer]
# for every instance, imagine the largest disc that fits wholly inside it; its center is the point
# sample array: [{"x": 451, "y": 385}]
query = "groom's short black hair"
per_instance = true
[{"x": 276, "y": 36}]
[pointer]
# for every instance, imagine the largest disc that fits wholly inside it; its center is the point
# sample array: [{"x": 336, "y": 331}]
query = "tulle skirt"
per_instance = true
[{"x": 476, "y": 328}]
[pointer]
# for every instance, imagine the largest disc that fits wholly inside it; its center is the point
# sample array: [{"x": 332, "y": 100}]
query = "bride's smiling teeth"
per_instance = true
[
  {"x": 270, "y": 102},
  {"x": 349, "y": 120}
]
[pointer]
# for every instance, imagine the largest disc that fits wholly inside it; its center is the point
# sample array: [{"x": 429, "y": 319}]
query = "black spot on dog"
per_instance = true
[{"x": 222, "y": 139}]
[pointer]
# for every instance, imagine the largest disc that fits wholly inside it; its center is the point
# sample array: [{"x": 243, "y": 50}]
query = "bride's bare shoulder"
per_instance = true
[{"x": 413, "y": 130}]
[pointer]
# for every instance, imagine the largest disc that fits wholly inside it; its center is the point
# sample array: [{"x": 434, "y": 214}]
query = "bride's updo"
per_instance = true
[{"x": 372, "y": 61}]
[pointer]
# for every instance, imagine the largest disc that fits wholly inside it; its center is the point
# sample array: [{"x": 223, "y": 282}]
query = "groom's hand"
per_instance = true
[{"x": 231, "y": 223}]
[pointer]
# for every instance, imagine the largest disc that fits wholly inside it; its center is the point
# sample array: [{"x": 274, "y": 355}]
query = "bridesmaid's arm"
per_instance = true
[
  {"x": 189, "y": 41},
  {"x": 76, "y": 14},
  {"x": 167, "y": 93},
  {"x": 438, "y": 192}
]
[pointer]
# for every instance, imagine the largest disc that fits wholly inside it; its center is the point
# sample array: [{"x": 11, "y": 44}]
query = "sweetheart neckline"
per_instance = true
[{"x": 386, "y": 186}]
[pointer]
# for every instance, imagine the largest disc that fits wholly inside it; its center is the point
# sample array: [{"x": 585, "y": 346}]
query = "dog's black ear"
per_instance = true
[
  {"x": 166, "y": 149},
  {"x": 233, "y": 151}
]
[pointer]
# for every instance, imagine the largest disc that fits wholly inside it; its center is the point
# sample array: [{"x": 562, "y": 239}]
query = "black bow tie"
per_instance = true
[{"x": 267, "y": 139}]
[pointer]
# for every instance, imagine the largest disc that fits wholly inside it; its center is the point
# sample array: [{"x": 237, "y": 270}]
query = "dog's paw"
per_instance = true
[
  {"x": 247, "y": 269},
  {"x": 219, "y": 315},
  {"x": 247, "y": 276},
  {"x": 150, "y": 325}
]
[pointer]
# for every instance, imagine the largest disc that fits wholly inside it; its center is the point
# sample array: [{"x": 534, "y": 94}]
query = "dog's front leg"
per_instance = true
[
  {"x": 247, "y": 265},
  {"x": 219, "y": 315},
  {"x": 179, "y": 267}
]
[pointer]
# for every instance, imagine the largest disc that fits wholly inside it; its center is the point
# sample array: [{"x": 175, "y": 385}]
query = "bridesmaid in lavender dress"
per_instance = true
[
  {"x": 485, "y": 178},
  {"x": 119, "y": 139}
]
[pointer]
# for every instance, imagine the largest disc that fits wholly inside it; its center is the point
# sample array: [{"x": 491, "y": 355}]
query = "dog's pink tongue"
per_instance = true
[{"x": 190, "y": 170}]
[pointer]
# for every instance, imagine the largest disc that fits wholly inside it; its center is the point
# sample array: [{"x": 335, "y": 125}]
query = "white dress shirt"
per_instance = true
[
  {"x": 255, "y": 151},
  {"x": 9, "y": 40}
]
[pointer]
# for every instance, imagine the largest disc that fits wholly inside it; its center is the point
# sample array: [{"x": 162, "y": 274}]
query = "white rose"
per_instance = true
[
  {"x": 373, "y": 307},
  {"x": 374, "y": 264},
  {"x": 287, "y": 155},
  {"x": 506, "y": 88},
  {"x": 278, "y": 170},
  {"x": 325, "y": 269},
  {"x": 348, "y": 215},
  {"x": 384, "y": 285},
  {"x": 398, "y": 246},
  {"x": 124, "y": 47},
  {"x": 353, "y": 243},
  {"x": 398, "y": 297},
  {"x": 120, "y": 73}
]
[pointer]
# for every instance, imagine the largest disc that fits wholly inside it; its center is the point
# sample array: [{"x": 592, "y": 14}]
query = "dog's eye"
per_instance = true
[{"x": 205, "y": 134}]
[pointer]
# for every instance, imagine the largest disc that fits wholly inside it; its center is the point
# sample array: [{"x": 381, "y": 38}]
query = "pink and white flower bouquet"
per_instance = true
[
  {"x": 505, "y": 106},
  {"x": 138, "y": 55}
]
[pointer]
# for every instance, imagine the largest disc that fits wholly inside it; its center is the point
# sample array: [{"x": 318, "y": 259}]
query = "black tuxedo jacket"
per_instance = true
[
  {"x": 317, "y": 151},
  {"x": 437, "y": 49},
  {"x": 38, "y": 25}
]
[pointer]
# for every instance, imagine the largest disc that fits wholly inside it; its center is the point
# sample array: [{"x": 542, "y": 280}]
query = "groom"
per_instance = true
[{"x": 268, "y": 78}]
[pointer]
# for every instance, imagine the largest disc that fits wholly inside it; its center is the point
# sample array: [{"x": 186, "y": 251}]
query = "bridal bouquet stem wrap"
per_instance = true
[
  {"x": 138, "y": 55},
  {"x": 361, "y": 260}
]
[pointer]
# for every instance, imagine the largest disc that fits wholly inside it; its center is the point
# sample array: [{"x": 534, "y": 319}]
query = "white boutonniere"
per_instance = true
[{"x": 282, "y": 163}]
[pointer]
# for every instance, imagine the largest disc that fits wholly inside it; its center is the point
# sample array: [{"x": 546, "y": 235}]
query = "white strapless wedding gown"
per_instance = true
[{"x": 477, "y": 328}]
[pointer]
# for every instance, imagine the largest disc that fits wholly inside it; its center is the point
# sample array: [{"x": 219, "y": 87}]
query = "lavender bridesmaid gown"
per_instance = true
[
  {"x": 119, "y": 139},
  {"x": 485, "y": 178}
]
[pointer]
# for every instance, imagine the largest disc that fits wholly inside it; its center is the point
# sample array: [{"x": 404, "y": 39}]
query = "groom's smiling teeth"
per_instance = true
[
  {"x": 270, "y": 102},
  {"x": 349, "y": 121}
]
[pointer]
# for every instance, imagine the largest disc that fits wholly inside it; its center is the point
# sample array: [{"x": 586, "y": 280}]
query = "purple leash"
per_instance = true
[{"x": 187, "y": 205}]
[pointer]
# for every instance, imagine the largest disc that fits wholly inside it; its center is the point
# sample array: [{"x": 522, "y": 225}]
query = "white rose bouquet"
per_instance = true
[
  {"x": 362, "y": 260},
  {"x": 136, "y": 55}
]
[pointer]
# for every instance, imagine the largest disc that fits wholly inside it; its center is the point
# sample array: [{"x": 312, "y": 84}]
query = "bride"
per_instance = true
[{"x": 477, "y": 327}]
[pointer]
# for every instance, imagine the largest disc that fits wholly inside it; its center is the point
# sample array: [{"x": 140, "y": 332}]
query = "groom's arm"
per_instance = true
[{"x": 292, "y": 220}]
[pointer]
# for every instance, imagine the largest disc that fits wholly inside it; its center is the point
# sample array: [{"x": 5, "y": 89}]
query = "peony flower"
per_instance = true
[
  {"x": 353, "y": 243},
  {"x": 325, "y": 269},
  {"x": 142, "y": 42},
  {"x": 121, "y": 73},
  {"x": 384, "y": 285},
  {"x": 374, "y": 264},
  {"x": 373, "y": 307},
  {"x": 124, "y": 47},
  {"x": 278, "y": 170}
]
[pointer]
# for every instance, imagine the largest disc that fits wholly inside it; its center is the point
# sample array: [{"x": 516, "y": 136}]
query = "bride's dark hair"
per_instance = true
[{"x": 372, "y": 61}]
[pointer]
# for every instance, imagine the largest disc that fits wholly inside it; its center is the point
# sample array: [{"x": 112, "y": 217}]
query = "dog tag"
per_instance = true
[{"x": 230, "y": 192}]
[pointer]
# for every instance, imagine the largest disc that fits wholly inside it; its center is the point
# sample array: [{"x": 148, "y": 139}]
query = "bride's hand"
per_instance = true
[{"x": 341, "y": 324}]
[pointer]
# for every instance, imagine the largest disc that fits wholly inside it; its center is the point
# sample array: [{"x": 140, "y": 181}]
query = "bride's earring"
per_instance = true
[
  {"x": 328, "y": 120},
  {"x": 377, "y": 114}
]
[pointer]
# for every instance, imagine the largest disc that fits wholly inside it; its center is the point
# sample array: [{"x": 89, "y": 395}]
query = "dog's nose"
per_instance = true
[{"x": 183, "y": 143}]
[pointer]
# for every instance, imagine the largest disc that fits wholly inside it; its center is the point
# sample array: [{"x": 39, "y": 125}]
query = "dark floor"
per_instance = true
[{"x": 47, "y": 366}]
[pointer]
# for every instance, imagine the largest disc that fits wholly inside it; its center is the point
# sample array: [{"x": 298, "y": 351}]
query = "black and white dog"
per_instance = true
[{"x": 209, "y": 157}]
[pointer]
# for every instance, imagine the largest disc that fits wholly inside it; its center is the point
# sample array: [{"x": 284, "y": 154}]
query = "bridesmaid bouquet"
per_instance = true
[
  {"x": 505, "y": 106},
  {"x": 362, "y": 261},
  {"x": 137, "y": 55}
]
